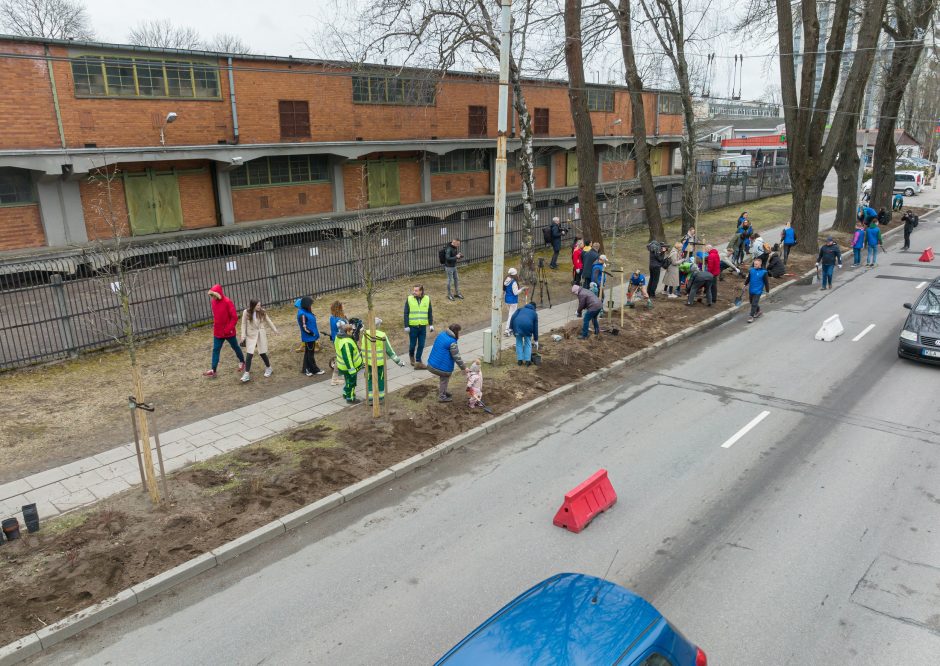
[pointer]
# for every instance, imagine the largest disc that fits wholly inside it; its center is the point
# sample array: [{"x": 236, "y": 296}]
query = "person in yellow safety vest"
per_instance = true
[
  {"x": 382, "y": 348},
  {"x": 348, "y": 361},
  {"x": 419, "y": 317}
]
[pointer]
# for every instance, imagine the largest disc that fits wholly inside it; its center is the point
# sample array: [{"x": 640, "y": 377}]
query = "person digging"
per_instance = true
[{"x": 638, "y": 285}]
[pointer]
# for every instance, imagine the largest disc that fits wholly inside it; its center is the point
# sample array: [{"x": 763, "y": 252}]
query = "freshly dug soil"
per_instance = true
[{"x": 79, "y": 559}]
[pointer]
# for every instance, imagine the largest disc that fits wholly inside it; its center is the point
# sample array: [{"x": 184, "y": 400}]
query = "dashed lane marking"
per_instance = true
[{"x": 746, "y": 429}]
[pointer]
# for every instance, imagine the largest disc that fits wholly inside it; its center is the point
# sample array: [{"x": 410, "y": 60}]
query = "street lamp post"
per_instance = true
[{"x": 170, "y": 117}]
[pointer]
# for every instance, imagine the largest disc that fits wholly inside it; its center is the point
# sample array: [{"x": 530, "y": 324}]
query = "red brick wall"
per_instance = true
[
  {"x": 541, "y": 180},
  {"x": 283, "y": 201},
  {"x": 21, "y": 227},
  {"x": 100, "y": 215},
  {"x": 355, "y": 188},
  {"x": 561, "y": 169},
  {"x": 198, "y": 200},
  {"x": 671, "y": 124},
  {"x": 462, "y": 185},
  {"x": 613, "y": 171},
  {"x": 26, "y": 101},
  {"x": 409, "y": 181}
]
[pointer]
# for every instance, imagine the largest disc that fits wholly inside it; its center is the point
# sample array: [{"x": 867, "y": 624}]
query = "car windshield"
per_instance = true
[{"x": 929, "y": 304}]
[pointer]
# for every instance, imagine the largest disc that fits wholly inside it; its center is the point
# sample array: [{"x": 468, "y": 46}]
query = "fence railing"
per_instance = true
[{"x": 55, "y": 308}]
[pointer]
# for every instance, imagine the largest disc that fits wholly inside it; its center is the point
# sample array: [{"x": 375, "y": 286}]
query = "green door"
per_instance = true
[
  {"x": 383, "y": 184},
  {"x": 153, "y": 202},
  {"x": 572, "y": 179}
]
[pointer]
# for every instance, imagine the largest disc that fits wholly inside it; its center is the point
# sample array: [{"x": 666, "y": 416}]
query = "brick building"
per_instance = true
[{"x": 259, "y": 139}]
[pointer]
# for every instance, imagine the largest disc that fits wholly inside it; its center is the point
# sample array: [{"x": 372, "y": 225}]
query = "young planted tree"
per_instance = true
[{"x": 117, "y": 281}]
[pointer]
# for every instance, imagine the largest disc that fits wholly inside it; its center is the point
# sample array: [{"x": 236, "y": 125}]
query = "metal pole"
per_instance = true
[{"x": 499, "y": 207}]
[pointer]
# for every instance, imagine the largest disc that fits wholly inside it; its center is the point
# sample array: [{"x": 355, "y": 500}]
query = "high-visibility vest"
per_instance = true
[
  {"x": 347, "y": 346},
  {"x": 418, "y": 310},
  {"x": 379, "y": 347}
]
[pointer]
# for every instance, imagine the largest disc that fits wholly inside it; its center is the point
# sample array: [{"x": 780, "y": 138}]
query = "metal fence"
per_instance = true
[{"x": 55, "y": 308}]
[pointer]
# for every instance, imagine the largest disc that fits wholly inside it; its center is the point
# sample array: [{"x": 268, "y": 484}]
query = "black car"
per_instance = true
[{"x": 920, "y": 337}]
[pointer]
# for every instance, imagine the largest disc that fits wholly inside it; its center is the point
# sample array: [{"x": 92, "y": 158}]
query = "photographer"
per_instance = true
[{"x": 556, "y": 232}]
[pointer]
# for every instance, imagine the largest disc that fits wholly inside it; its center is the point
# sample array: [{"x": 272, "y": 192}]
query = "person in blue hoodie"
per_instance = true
[
  {"x": 598, "y": 276},
  {"x": 788, "y": 238},
  {"x": 443, "y": 357},
  {"x": 511, "y": 291},
  {"x": 525, "y": 326},
  {"x": 858, "y": 242},
  {"x": 869, "y": 214},
  {"x": 309, "y": 334},
  {"x": 873, "y": 241},
  {"x": 757, "y": 283}
]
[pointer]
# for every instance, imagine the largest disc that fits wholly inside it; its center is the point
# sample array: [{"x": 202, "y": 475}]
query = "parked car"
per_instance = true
[
  {"x": 920, "y": 335},
  {"x": 574, "y": 619},
  {"x": 908, "y": 182}
]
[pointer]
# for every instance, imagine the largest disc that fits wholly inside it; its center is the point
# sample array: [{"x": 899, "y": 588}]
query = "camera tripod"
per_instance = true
[{"x": 543, "y": 284}]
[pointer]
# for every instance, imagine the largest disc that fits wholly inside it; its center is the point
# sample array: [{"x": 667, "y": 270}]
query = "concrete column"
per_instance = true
[
  {"x": 339, "y": 191},
  {"x": 600, "y": 165},
  {"x": 268, "y": 247},
  {"x": 60, "y": 207},
  {"x": 552, "y": 168},
  {"x": 62, "y": 314},
  {"x": 223, "y": 183},
  {"x": 425, "y": 179}
]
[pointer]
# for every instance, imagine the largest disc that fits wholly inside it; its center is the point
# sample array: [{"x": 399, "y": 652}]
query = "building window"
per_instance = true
[
  {"x": 541, "y": 122},
  {"x": 457, "y": 161},
  {"x": 15, "y": 187},
  {"x": 600, "y": 99},
  {"x": 670, "y": 105},
  {"x": 477, "y": 121},
  {"x": 97, "y": 76},
  {"x": 393, "y": 90},
  {"x": 542, "y": 159},
  {"x": 619, "y": 154},
  {"x": 295, "y": 119},
  {"x": 282, "y": 170}
]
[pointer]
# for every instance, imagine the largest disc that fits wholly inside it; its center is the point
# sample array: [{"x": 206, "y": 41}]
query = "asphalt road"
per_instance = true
[{"x": 813, "y": 539}]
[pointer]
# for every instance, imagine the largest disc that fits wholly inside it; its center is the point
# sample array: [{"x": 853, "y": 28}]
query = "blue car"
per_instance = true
[{"x": 573, "y": 619}]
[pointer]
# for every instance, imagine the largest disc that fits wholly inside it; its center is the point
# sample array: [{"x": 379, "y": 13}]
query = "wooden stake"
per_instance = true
[
  {"x": 623, "y": 294},
  {"x": 144, "y": 429}
]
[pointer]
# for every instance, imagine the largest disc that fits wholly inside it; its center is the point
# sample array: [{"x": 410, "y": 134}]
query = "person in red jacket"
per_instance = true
[
  {"x": 576, "y": 261},
  {"x": 224, "y": 322},
  {"x": 713, "y": 266}
]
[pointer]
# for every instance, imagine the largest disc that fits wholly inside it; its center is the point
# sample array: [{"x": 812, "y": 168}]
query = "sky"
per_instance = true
[{"x": 287, "y": 27}]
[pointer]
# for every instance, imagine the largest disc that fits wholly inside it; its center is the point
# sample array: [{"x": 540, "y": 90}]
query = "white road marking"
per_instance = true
[
  {"x": 920, "y": 286},
  {"x": 746, "y": 429},
  {"x": 863, "y": 333}
]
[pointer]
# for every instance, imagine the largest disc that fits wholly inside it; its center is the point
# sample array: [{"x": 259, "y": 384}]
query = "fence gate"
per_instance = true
[{"x": 153, "y": 202}]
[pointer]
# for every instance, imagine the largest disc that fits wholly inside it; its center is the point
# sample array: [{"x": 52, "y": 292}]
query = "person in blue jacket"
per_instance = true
[
  {"x": 858, "y": 242},
  {"x": 869, "y": 214},
  {"x": 309, "y": 334},
  {"x": 788, "y": 238},
  {"x": 511, "y": 291},
  {"x": 757, "y": 283},
  {"x": 525, "y": 326},
  {"x": 443, "y": 357},
  {"x": 598, "y": 277},
  {"x": 873, "y": 241}
]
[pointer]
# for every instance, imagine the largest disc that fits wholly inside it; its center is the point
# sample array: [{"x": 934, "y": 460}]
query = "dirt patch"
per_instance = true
[
  {"x": 419, "y": 392},
  {"x": 257, "y": 454},
  {"x": 315, "y": 434}
]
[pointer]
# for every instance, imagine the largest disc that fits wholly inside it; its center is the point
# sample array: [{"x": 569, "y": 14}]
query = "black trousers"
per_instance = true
[
  {"x": 907, "y": 239},
  {"x": 310, "y": 362},
  {"x": 653, "y": 281}
]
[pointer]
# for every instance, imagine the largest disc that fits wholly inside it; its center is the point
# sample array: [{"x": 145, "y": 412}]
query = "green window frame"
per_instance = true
[
  {"x": 397, "y": 90},
  {"x": 281, "y": 170},
  {"x": 600, "y": 99},
  {"x": 144, "y": 78},
  {"x": 618, "y": 154},
  {"x": 542, "y": 159},
  {"x": 16, "y": 187},
  {"x": 460, "y": 161},
  {"x": 670, "y": 105}
]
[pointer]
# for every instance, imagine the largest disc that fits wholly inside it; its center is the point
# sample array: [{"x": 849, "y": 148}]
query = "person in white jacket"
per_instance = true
[
  {"x": 254, "y": 337},
  {"x": 511, "y": 291}
]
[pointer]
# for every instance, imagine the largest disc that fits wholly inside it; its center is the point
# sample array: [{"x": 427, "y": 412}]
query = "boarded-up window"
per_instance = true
[
  {"x": 295, "y": 119},
  {"x": 541, "y": 122},
  {"x": 477, "y": 121}
]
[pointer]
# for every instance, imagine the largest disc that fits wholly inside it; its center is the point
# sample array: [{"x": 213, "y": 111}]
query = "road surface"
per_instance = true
[{"x": 810, "y": 538}]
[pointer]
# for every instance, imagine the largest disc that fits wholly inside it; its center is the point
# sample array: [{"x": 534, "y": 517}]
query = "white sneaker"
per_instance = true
[
  {"x": 671, "y": 296},
  {"x": 246, "y": 377},
  {"x": 268, "y": 371}
]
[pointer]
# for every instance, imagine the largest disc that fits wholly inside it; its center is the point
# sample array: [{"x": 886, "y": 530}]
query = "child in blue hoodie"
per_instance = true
[
  {"x": 309, "y": 334},
  {"x": 757, "y": 283}
]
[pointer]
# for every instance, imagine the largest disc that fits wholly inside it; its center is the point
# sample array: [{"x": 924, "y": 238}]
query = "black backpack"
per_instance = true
[
  {"x": 547, "y": 235},
  {"x": 357, "y": 328},
  {"x": 915, "y": 220},
  {"x": 442, "y": 255}
]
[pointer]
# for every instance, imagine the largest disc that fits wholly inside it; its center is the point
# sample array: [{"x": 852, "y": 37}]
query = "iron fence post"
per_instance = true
[
  {"x": 176, "y": 280},
  {"x": 62, "y": 314},
  {"x": 352, "y": 280},
  {"x": 411, "y": 241},
  {"x": 271, "y": 266},
  {"x": 464, "y": 228}
]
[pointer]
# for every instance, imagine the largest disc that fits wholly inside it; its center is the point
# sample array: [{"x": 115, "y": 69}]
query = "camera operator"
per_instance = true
[{"x": 556, "y": 232}]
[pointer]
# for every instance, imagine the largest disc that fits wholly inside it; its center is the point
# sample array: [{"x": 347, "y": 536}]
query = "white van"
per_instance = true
[{"x": 908, "y": 182}]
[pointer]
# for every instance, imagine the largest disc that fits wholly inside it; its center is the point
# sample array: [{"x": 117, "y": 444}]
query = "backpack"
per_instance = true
[
  {"x": 915, "y": 220},
  {"x": 357, "y": 328},
  {"x": 667, "y": 262},
  {"x": 547, "y": 235},
  {"x": 442, "y": 255}
]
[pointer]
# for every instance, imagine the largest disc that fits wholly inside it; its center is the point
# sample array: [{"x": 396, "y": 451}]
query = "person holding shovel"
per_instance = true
[
  {"x": 756, "y": 283},
  {"x": 383, "y": 349},
  {"x": 445, "y": 354},
  {"x": 591, "y": 306},
  {"x": 638, "y": 285},
  {"x": 525, "y": 326}
]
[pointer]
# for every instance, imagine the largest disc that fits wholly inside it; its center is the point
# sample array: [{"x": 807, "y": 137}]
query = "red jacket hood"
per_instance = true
[
  {"x": 224, "y": 316},
  {"x": 217, "y": 288}
]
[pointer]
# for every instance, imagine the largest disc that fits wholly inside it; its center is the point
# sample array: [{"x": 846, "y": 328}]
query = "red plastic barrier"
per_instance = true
[
  {"x": 584, "y": 502},
  {"x": 927, "y": 255}
]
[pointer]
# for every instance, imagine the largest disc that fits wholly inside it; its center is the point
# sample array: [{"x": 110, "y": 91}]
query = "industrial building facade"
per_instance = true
[{"x": 154, "y": 142}]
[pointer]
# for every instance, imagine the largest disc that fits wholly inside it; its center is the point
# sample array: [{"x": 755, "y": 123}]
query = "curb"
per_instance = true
[{"x": 34, "y": 643}]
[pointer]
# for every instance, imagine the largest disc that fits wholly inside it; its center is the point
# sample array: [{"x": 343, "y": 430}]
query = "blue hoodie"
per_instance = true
[
  {"x": 597, "y": 273},
  {"x": 756, "y": 281},
  {"x": 306, "y": 320},
  {"x": 873, "y": 235},
  {"x": 525, "y": 322}
]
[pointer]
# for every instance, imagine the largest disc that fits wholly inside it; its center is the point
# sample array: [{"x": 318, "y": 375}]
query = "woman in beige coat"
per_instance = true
[
  {"x": 254, "y": 336},
  {"x": 671, "y": 281}
]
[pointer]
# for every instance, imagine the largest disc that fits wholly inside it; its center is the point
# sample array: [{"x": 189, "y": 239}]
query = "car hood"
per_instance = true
[{"x": 923, "y": 324}]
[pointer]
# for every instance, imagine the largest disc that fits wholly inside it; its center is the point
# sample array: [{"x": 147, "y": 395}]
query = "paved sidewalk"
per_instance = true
[{"x": 83, "y": 482}]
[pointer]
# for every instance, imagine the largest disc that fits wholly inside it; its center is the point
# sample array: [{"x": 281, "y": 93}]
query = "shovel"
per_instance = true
[
  {"x": 739, "y": 299},
  {"x": 485, "y": 408}
]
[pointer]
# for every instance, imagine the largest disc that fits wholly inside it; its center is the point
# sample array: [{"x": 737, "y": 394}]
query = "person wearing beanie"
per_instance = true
[
  {"x": 829, "y": 256},
  {"x": 383, "y": 349},
  {"x": 445, "y": 354},
  {"x": 511, "y": 291},
  {"x": 348, "y": 361}
]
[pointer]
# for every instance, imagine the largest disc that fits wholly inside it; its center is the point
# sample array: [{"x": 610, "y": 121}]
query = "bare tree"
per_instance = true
[
  {"x": 225, "y": 42},
  {"x": 623, "y": 16},
  {"x": 581, "y": 116},
  {"x": 906, "y": 22},
  {"x": 54, "y": 19},
  {"x": 164, "y": 34},
  {"x": 117, "y": 280},
  {"x": 811, "y": 151}
]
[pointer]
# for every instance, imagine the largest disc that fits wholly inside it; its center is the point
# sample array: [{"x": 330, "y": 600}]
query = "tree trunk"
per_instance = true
[
  {"x": 638, "y": 124},
  {"x": 847, "y": 165},
  {"x": 583, "y": 130},
  {"x": 690, "y": 203},
  {"x": 526, "y": 168},
  {"x": 807, "y": 197}
]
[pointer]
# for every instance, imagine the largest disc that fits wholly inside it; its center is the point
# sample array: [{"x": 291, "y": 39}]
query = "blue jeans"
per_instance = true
[
  {"x": 416, "y": 338},
  {"x": 588, "y": 318},
  {"x": 217, "y": 349},
  {"x": 872, "y": 254},
  {"x": 827, "y": 275},
  {"x": 856, "y": 256},
  {"x": 523, "y": 347}
]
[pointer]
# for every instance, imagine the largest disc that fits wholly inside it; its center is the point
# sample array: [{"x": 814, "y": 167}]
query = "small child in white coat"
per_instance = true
[{"x": 475, "y": 385}]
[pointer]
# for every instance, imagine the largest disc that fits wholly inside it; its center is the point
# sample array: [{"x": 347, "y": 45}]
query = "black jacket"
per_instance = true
[
  {"x": 829, "y": 255},
  {"x": 909, "y": 223},
  {"x": 656, "y": 258},
  {"x": 588, "y": 257},
  {"x": 450, "y": 258}
]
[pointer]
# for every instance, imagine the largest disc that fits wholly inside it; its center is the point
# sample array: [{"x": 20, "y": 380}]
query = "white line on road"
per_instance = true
[
  {"x": 862, "y": 334},
  {"x": 746, "y": 429},
  {"x": 920, "y": 286}
]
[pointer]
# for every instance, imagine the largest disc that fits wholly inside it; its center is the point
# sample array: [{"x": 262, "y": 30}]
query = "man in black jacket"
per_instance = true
[
  {"x": 588, "y": 257},
  {"x": 556, "y": 233},
  {"x": 829, "y": 255},
  {"x": 450, "y": 268},
  {"x": 657, "y": 252},
  {"x": 910, "y": 221}
]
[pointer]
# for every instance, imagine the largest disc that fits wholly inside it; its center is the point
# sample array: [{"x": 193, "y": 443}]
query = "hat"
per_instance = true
[
  {"x": 512, "y": 271},
  {"x": 603, "y": 257},
  {"x": 575, "y": 289},
  {"x": 829, "y": 238}
]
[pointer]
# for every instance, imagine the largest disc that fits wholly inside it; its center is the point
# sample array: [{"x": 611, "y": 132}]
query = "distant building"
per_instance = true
[{"x": 726, "y": 108}]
